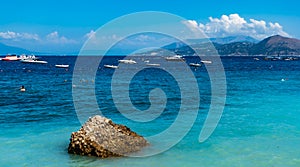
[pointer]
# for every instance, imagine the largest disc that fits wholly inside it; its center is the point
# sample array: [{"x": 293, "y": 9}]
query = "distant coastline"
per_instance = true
[
  {"x": 271, "y": 46},
  {"x": 228, "y": 46}
]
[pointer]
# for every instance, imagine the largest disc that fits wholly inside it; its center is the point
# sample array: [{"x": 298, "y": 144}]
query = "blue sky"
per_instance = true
[{"x": 62, "y": 26}]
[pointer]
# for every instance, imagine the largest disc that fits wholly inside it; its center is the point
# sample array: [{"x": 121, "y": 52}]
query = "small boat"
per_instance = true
[
  {"x": 153, "y": 64},
  {"x": 206, "y": 61},
  {"x": 62, "y": 66},
  {"x": 130, "y": 61},
  {"x": 111, "y": 66},
  {"x": 195, "y": 64},
  {"x": 273, "y": 58},
  {"x": 175, "y": 58},
  {"x": 33, "y": 61},
  {"x": 11, "y": 58},
  {"x": 268, "y": 57},
  {"x": 290, "y": 58},
  {"x": 256, "y": 58}
]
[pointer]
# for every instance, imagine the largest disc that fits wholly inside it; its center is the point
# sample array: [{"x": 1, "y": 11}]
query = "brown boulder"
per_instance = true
[{"x": 101, "y": 137}]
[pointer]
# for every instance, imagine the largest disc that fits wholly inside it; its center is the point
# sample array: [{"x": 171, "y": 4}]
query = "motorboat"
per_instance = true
[
  {"x": 290, "y": 58},
  {"x": 11, "y": 58},
  {"x": 62, "y": 66},
  {"x": 153, "y": 64},
  {"x": 33, "y": 61},
  {"x": 175, "y": 58},
  {"x": 206, "y": 61},
  {"x": 110, "y": 66},
  {"x": 274, "y": 58},
  {"x": 195, "y": 64},
  {"x": 130, "y": 61},
  {"x": 16, "y": 58}
]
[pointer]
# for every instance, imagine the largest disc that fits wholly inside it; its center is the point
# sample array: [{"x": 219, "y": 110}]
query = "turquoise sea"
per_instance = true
[{"x": 260, "y": 125}]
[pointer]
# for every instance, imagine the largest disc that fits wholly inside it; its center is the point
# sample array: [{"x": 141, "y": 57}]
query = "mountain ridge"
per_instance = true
[
  {"x": 273, "y": 45},
  {"x": 5, "y": 49},
  {"x": 277, "y": 45}
]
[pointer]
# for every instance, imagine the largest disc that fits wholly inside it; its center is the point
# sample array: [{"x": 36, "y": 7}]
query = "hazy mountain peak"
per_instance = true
[
  {"x": 277, "y": 44},
  {"x": 5, "y": 49}
]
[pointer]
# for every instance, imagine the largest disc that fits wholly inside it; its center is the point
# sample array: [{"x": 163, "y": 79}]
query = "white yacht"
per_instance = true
[
  {"x": 153, "y": 64},
  {"x": 206, "y": 61},
  {"x": 195, "y": 64},
  {"x": 62, "y": 66},
  {"x": 110, "y": 66},
  {"x": 175, "y": 58},
  {"x": 130, "y": 61}
]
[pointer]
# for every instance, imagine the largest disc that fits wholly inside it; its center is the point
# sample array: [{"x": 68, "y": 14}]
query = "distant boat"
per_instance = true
[
  {"x": 206, "y": 61},
  {"x": 175, "y": 58},
  {"x": 269, "y": 57},
  {"x": 195, "y": 64},
  {"x": 153, "y": 64},
  {"x": 62, "y": 66},
  {"x": 33, "y": 61},
  {"x": 290, "y": 58},
  {"x": 130, "y": 61},
  {"x": 111, "y": 66},
  {"x": 11, "y": 58},
  {"x": 256, "y": 58},
  {"x": 273, "y": 58}
]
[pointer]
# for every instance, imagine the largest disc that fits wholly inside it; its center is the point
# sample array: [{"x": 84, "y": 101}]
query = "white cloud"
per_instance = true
[
  {"x": 90, "y": 35},
  {"x": 192, "y": 24},
  {"x": 94, "y": 38},
  {"x": 145, "y": 38},
  {"x": 54, "y": 37},
  {"x": 113, "y": 37},
  {"x": 10, "y": 35},
  {"x": 236, "y": 25}
]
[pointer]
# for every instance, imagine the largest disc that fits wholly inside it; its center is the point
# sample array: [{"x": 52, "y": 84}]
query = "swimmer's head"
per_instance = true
[{"x": 22, "y": 89}]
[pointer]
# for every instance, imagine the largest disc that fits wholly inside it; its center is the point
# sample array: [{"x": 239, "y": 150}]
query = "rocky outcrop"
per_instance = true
[{"x": 101, "y": 137}]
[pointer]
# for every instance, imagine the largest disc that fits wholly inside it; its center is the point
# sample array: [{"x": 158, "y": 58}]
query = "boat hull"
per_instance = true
[
  {"x": 34, "y": 61},
  {"x": 153, "y": 65},
  {"x": 195, "y": 65},
  {"x": 111, "y": 66},
  {"x": 127, "y": 61},
  {"x": 62, "y": 66}
]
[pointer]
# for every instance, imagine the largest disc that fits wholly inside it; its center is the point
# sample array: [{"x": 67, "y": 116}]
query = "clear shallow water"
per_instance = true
[{"x": 260, "y": 125}]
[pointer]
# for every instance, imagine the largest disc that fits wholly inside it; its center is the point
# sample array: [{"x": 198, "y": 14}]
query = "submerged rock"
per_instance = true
[{"x": 101, "y": 137}]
